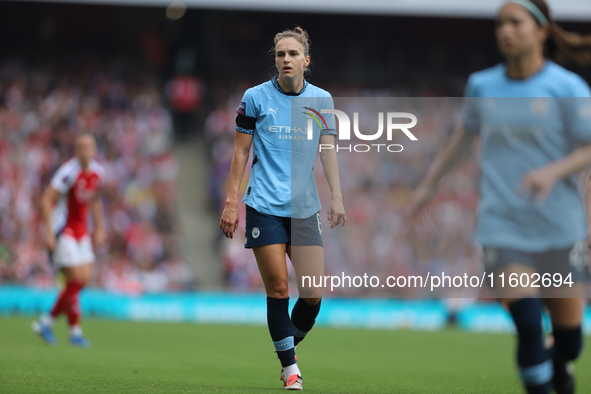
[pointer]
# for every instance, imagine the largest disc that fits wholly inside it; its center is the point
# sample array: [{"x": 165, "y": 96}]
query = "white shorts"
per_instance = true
[{"x": 70, "y": 252}]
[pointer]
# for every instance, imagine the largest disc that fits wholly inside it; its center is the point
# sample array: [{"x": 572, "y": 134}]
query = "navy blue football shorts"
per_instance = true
[{"x": 263, "y": 229}]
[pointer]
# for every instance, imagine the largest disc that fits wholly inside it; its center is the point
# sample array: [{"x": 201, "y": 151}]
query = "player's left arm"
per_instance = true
[
  {"x": 328, "y": 157},
  {"x": 541, "y": 181},
  {"x": 96, "y": 206}
]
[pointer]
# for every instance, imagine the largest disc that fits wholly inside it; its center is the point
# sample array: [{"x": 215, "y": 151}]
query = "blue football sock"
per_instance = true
[
  {"x": 535, "y": 368},
  {"x": 568, "y": 343}
]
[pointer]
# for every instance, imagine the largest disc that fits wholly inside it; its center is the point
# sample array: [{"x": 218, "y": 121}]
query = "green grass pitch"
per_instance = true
[{"x": 129, "y": 357}]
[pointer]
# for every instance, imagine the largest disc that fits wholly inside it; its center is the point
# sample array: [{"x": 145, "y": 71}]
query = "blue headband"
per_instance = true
[{"x": 534, "y": 9}]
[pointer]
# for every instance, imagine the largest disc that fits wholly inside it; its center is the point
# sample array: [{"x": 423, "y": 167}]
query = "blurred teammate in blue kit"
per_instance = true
[
  {"x": 282, "y": 204},
  {"x": 533, "y": 118}
]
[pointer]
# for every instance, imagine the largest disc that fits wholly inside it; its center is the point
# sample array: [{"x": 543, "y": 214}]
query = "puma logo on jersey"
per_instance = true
[{"x": 274, "y": 110}]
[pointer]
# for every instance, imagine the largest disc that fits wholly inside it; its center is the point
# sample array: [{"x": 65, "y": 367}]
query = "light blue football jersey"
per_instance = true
[
  {"x": 525, "y": 125},
  {"x": 282, "y": 180}
]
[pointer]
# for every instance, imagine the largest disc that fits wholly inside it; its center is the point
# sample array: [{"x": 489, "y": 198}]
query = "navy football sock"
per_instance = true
[
  {"x": 303, "y": 317},
  {"x": 532, "y": 358},
  {"x": 568, "y": 343},
  {"x": 280, "y": 329}
]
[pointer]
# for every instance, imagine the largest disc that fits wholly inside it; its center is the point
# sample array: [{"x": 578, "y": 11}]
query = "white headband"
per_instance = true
[{"x": 534, "y": 9}]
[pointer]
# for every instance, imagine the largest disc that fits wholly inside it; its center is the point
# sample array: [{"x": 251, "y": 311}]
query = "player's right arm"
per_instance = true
[
  {"x": 455, "y": 151},
  {"x": 229, "y": 220},
  {"x": 588, "y": 208},
  {"x": 48, "y": 199}
]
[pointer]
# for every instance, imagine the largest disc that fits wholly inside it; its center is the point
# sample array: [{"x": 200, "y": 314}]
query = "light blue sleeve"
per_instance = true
[
  {"x": 247, "y": 112},
  {"x": 579, "y": 87},
  {"x": 578, "y": 111},
  {"x": 471, "y": 115},
  {"x": 578, "y": 119},
  {"x": 331, "y": 128}
]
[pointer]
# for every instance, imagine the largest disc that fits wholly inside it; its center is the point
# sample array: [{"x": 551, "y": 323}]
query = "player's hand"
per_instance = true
[
  {"x": 229, "y": 220},
  {"x": 414, "y": 212},
  {"x": 538, "y": 183},
  {"x": 50, "y": 241},
  {"x": 336, "y": 213},
  {"x": 100, "y": 237}
]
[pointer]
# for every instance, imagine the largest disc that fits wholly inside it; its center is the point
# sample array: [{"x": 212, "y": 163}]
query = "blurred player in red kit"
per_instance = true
[{"x": 74, "y": 189}]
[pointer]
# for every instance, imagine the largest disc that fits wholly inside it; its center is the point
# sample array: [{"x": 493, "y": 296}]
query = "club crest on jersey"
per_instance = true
[
  {"x": 242, "y": 108},
  {"x": 256, "y": 232}
]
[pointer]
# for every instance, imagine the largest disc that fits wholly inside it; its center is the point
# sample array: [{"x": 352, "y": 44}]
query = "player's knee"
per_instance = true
[
  {"x": 278, "y": 289},
  {"x": 279, "y": 293},
  {"x": 81, "y": 276}
]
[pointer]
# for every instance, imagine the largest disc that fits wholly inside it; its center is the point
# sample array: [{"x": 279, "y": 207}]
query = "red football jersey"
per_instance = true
[{"x": 78, "y": 188}]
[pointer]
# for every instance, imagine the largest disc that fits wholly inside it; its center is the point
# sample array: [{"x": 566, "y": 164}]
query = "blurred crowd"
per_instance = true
[
  {"x": 41, "y": 109},
  {"x": 375, "y": 187}
]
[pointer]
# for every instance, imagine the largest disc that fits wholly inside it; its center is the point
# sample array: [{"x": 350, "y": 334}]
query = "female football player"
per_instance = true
[
  {"x": 530, "y": 217},
  {"x": 282, "y": 205},
  {"x": 74, "y": 188}
]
